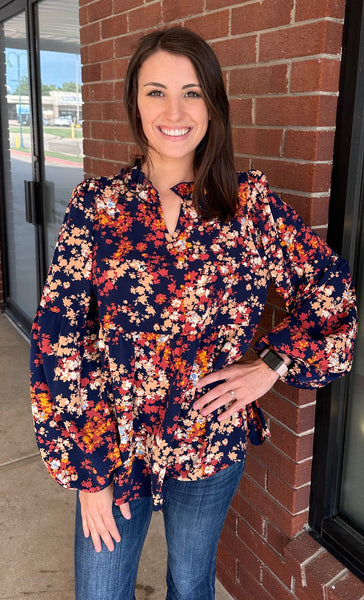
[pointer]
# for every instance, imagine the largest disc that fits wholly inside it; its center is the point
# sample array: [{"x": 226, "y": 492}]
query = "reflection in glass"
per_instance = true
[
  {"x": 352, "y": 487},
  {"x": 17, "y": 153},
  {"x": 60, "y": 67}
]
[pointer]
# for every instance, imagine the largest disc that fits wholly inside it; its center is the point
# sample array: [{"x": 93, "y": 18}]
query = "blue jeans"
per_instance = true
[{"x": 194, "y": 513}]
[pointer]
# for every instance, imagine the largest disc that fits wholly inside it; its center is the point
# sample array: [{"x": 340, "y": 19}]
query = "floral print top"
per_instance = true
[{"x": 132, "y": 317}]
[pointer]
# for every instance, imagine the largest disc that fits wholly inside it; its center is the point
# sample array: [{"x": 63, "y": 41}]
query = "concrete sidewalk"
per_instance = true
[{"x": 36, "y": 515}]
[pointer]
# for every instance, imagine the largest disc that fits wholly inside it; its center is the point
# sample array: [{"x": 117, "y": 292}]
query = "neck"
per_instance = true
[{"x": 164, "y": 173}]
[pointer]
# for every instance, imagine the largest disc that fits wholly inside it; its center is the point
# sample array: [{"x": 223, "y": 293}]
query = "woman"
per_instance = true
[{"x": 141, "y": 396}]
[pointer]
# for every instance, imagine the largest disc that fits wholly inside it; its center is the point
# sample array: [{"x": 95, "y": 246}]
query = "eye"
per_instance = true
[
  {"x": 193, "y": 94},
  {"x": 155, "y": 93}
]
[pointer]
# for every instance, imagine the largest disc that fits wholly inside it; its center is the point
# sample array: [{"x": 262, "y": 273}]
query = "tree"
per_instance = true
[{"x": 24, "y": 86}]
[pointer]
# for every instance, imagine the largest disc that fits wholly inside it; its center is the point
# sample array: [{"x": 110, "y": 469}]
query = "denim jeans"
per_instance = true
[{"x": 194, "y": 513}]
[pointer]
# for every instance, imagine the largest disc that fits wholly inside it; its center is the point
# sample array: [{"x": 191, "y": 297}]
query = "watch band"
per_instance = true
[{"x": 274, "y": 361}]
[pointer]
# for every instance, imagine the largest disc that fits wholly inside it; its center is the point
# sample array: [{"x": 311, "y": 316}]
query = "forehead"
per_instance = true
[{"x": 168, "y": 69}]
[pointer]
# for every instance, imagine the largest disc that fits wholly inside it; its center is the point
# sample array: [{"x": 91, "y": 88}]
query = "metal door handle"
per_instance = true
[{"x": 32, "y": 202}]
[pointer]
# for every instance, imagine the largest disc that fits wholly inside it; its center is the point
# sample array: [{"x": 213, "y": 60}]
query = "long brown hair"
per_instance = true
[{"x": 215, "y": 188}]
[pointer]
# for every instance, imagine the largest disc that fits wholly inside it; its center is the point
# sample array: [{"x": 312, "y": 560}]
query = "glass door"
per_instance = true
[
  {"x": 17, "y": 152},
  {"x": 41, "y": 140}
]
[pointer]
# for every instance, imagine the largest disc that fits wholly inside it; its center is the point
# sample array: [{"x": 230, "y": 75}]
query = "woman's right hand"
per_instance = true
[{"x": 98, "y": 519}]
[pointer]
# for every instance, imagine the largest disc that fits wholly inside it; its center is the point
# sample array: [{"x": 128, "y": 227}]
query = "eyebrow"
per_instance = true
[{"x": 184, "y": 87}]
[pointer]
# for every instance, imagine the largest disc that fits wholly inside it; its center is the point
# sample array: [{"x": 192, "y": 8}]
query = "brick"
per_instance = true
[
  {"x": 145, "y": 17},
  {"x": 89, "y": 34},
  {"x": 314, "y": 211},
  {"x": 121, "y": 6},
  {"x": 256, "y": 471},
  {"x": 298, "y": 419},
  {"x": 293, "y": 499},
  {"x": 322, "y": 37},
  {"x": 97, "y": 92},
  {"x": 103, "y": 131},
  {"x": 114, "y": 69},
  {"x": 267, "y": 318},
  {"x": 210, "y": 26},
  {"x": 173, "y": 10},
  {"x": 317, "y": 9},
  {"x": 241, "y": 552},
  {"x": 214, "y": 4},
  {"x": 115, "y": 151},
  {"x": 261, "y": 15},
  {"x": 269, "y": 507},
  {"x": 99, "y": 10},
  {"x": 298, "y": 551},
  {"x": 242, "y": 163},
  {"x": 125, "y": 45},
  {"x": 229, "y": 582},
  {"x": 287, "y": 111},
  {"x": 227, "y": 558},
  {"x": 264, "y": 552},
  {"x": 83, "y": 16},
  {"x": 275, "y": 587},
  {"x": 257, "y": 142},
  {"x": 258, "y": 81},
  {"x": 348, "y": 587},
  {"x": 295, "y": 395},
  {"x": 122, "y": 132},
  {"x": 92, "y": 111},
  {"x": 114, "y": 26},
  {"x": 113, "y": 111},
  {"x": 295, "y": 474},
  {"x": 303, "y": 177},
  {"x": 276, "y": 539},
  {"x": 276, "y": 300},
  {"x": 248, "y": 513},
  {"x": 105, "y": 167},
  {"x": 87, "y": 129},
  {"x": 91, "y": 72},
  {"x": 309, "y": 145},
  {"x": 320, "y": 74},
  {"x": 320, "y": 571},
  {"x": 100, "y": 51},
  {"x": 241, "y": 111},
  {"x": 296, "y": 447},
  {"x": 235, "y": 51}
]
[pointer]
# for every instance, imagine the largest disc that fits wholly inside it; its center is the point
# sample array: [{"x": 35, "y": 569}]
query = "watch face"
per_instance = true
[{"x": 273, "y": 360}]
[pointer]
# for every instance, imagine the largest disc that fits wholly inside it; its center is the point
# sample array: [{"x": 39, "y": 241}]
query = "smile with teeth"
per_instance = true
[{"x": 175, "y": 132}]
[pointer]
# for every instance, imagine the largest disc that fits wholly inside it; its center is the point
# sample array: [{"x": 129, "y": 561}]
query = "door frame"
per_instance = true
[{"x": 9, "y": 9}]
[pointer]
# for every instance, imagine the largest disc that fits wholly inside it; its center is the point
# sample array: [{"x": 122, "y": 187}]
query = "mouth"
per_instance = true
[{"x": 180, "y": 132}]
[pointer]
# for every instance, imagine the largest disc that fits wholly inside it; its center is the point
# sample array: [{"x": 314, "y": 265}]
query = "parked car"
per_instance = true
[{"x": 63, "y": 121}]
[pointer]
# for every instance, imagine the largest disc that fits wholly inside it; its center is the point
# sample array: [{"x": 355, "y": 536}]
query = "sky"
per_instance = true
[{"x": 56, "y": 67}]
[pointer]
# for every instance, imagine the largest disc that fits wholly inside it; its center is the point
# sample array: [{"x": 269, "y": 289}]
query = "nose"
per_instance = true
[{"x": 173, "y": 109}]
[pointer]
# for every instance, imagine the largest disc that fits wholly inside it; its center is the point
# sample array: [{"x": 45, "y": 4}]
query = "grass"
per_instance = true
[
  {"x": 64, "y": 132},
  {"x": 77, "y": 159}
]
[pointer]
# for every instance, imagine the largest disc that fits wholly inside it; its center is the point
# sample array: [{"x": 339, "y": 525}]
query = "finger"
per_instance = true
[
  {"x": 99, "y": 532},
  {"x": 125, "y": 510},
  {"x": 85, "y": 527},
  {"x": 213, "y": 377},
  {"x": 218, "y": 403},
  {"x": 96, "y": 540},
  {"x": 211, "y": 395},
  {"x": 233, "y": 409}
]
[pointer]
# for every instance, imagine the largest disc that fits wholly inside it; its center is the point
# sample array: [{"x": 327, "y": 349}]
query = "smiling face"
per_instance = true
[{"x": 171, "y": 106}]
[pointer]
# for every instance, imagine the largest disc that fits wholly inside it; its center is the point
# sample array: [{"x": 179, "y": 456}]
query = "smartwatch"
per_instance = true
[{"x": 274, "y": 361}]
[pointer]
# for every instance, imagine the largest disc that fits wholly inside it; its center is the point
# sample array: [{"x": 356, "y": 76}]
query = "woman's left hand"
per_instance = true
[{"x": 242, "y": 383}]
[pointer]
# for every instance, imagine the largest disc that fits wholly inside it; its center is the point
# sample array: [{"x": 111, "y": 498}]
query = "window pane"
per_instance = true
[
  {"x": 352, "y": 487},
  {"x": 62, "y": 109},
  {"x": 17, "y": 159}
]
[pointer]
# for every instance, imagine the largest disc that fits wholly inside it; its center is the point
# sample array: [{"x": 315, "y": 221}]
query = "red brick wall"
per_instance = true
[{"x": 281, "y": 61}]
